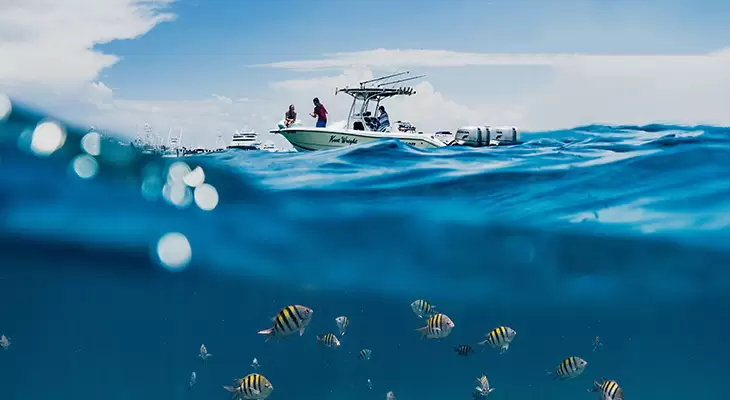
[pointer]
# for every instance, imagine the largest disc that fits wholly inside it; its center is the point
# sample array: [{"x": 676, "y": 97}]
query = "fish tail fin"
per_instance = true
[
  {"x": 551, "y": 373},
  {"x": 268, "y": 332},
  {"x": 233, "y": 390},
  {"x": 422, "y": 331},
  {"x": 320, "y": 339}
]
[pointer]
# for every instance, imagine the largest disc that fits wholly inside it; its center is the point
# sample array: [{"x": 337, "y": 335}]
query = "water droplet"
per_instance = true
[
  {"x": 91, "y": 143},
  {"x": 48, "y": 137},
  {"x": 85, "y": 166},
  {"x": 206, "y": 197},
  {"x": 174, "y": 251},
  {"x": 195, "y": 178}
]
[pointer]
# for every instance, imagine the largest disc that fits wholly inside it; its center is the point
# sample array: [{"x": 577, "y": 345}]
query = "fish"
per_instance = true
[
  {"x": 597, "y": 343},
  {"x": 464, "y": 350},
  {"x": 422, "y": 308},
  {"x": 499, "y": 338},
  {"x": 193, "y": 379},
  {"x": 370, "y": 384},
  {"x": 364, "y": 354},
  {"x": 342, "y": 323},
  {"x": 390, "y": 396},
  {"x": 5, "y": 342},
  {"x": 571, "y": 367},
  {"x": 608, "y": 390},
  {"x": 483, "y": 390},
  {"x": 204, "y": 352},
  {"x": 255, "y": 364},
  {"x": 288, "y": 320},
  {"x": 329, "y": 340},
  {"x": 252, "y": 386},
  {"x": 437, "y": 327}
]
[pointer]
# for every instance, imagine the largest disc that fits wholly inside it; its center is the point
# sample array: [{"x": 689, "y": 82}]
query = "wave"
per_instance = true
[{"x": 593, "y": 213}]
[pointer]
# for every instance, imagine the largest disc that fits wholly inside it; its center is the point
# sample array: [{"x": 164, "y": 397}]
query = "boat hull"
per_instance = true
[{"x": 313, "y": 139}]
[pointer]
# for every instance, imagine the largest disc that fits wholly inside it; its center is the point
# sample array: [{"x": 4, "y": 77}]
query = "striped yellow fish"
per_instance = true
[
  {"x": 483, "y": 390},
  {"x": 364, "y": 354},
  {"x": 500, "y": 338},
  {"x": 464, "y": 350},
  {"x": 422, "y": 308},
  {"x": 290, "y": 319},
  {"x": 608, "y": 390},
  {"x": 342, "y": 323},
  {"x": 329, "y": 340},
  {"x": 252, "y": 386},
  {"x": 437, "y": 327},
  {"x": 569, "y": 368}
]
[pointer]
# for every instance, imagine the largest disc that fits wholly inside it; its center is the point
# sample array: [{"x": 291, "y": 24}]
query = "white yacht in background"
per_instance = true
[{"x": 245, "y": 140}]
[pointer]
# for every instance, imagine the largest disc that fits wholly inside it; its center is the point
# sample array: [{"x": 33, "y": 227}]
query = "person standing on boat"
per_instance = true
[
  {"x": 320, "y": 113},
  {"x": 383, "y": 120},
  {"x": 290, "y": 116}
]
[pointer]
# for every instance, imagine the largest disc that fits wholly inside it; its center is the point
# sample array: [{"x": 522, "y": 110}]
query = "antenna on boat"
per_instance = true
[
  {"x": 401, "y": 80},
  {"x": 362, "y": 84}
]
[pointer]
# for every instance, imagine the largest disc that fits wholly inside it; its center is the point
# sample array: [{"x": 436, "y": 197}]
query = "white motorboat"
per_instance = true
[
  {"x": 361, "y": 126},
  {"x": 245, "y": 140},
  {"x": 269, "y": 146}
]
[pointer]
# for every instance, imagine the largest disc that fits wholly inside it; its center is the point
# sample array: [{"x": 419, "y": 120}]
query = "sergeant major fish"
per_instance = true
[
  {"x": 597, "y": 343},
  {"x": 483, "y": 390},
  {"x": 203, "y": 353},
  {"x": 342, "y": 323},
  {"x": 255, "y": 364},
  {"x": 571, "y": 367},
  {"x": 500, "y": 338},
  {"x": 252, "y": 386},
  {"x": 464, "y": 350},
  {"x": 5, "y": 342},
  {"x": 364, "y": 354},
  {"x": 288, "y": 320},
  {"x": 437, "y": 327},
  {"x": 390, "y": 396},
  {"x": 329, "y": 340},
  {"x": 193, "y": 379},
  {"x": 422, "y": 308},
  {"x": 607, "y": 390}
]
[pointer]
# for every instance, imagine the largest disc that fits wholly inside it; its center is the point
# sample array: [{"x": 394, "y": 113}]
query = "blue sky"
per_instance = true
[
  {"x": 208, "y": 48},
  {"x": 211, "y": 42}
]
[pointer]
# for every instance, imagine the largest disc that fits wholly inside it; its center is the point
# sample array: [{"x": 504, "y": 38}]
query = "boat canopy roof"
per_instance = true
[{"x": 376, "y": 93}]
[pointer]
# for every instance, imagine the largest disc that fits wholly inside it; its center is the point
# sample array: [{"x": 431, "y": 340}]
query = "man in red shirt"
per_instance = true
[{"x": 320, "y": 113}]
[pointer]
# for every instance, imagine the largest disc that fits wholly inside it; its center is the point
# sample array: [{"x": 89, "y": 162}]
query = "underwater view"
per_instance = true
[{"x": 587, "y": 254}]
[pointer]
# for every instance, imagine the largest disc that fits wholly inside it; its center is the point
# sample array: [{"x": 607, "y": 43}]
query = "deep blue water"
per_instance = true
[{"x": 619, "y": 232}]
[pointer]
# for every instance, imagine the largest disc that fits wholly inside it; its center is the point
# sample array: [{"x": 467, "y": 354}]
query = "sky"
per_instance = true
[{"x": 210, "y": 67}]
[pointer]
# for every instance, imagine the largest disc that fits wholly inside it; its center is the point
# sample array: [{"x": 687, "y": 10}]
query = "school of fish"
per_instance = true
[{"x": 295, "y": 318}]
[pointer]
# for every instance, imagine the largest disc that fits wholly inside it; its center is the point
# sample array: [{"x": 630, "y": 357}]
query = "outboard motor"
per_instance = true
[{"x": 480, "y": 136}]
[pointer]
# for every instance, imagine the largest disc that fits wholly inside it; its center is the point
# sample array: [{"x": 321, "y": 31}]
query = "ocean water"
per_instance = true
[{"x": 619, "y": 232}]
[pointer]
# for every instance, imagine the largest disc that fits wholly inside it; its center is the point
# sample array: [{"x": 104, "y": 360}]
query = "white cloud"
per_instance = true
[
  {"x": 49, "y": 60},
  {"x": 45, "y": 42},
  {"x": 622, "y": 89}
]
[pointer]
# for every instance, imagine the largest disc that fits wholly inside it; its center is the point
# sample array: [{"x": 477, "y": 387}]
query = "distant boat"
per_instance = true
[
  {"x": 245, "y": 140},
  {"x": 270, "y": 146}
]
